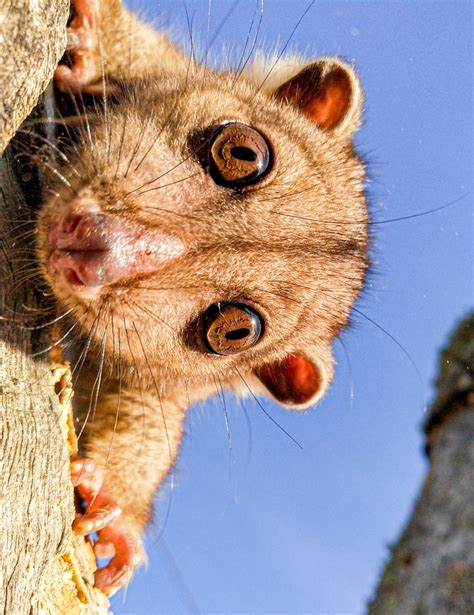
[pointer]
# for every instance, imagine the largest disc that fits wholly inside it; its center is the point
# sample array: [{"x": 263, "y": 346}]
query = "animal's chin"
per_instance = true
[{"x": 90, "y": 250}]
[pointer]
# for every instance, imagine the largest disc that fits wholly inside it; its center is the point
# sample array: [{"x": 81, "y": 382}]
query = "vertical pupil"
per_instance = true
[
  {"x": 237, "y": 334},
  {"x": 244, "y": 153},
  {"x": 230, "y": 328},
  {"x": 238, "y": 156}
]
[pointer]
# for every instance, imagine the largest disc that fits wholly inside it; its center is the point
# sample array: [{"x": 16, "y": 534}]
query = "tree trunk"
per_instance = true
[
  {"x": 32, "y": 43},
  {"x": 43, "y": 566},
  {"x": 431, "y": 570}
]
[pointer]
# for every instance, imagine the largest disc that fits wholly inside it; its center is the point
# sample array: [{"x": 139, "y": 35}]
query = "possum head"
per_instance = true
[{"x": 210, "y": 228}]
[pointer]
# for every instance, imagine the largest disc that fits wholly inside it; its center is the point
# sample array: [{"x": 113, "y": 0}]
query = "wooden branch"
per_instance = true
[
  {"x": 32, "y": 43},
  {"x": 431, "y": 570},
  {"x": 44, "y": 567}
]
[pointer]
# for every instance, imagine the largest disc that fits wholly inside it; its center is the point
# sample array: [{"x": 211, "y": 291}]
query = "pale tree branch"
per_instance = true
[
  {"x": 43, "y": 566},
  {"x": 32, "y": 42}
]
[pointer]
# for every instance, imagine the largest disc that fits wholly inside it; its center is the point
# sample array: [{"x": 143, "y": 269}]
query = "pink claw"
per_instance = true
[
  {"x": 103, "y": 516},
  {"x": 127, "y": 557},
  {"x": 82, "y": 45}
]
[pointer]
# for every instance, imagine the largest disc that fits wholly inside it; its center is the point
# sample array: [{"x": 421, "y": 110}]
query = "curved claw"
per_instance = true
[
  {"x": 102, "y": 515},
  {"x": 104, "y": 549},
  {"x": 96, "y": 520},
  {"x": 127, "y": 557},
  {"x": 82, "y": 44}
]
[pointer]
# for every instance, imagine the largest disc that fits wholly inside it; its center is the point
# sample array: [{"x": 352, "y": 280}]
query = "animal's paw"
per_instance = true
[
  {"x": 102, "y": 516},
  {"x": 83, "y": 49}
]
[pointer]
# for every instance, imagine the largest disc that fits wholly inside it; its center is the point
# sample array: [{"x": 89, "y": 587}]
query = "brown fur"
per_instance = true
[{"x": 294, "y": 246}]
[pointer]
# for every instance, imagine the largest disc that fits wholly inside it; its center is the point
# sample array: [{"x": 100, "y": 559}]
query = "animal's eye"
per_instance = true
[
  {"x": 230, "y": 328},
  {"x": 238, "y": 156}
]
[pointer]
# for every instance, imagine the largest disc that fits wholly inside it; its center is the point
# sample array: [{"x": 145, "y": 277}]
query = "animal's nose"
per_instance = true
[{"x": 91, "y": 249}]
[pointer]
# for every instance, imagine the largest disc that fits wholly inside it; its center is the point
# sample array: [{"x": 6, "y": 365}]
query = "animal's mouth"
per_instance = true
[{"x": 91, "y": 249}]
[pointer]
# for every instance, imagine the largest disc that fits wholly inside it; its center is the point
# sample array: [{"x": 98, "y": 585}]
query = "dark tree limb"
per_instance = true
[{"x": 431, "y": 570}]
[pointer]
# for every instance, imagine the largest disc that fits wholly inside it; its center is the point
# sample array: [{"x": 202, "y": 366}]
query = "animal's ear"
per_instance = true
[
  {"x": 297, "y": 380},
  {"x": 328, "y": 91}
]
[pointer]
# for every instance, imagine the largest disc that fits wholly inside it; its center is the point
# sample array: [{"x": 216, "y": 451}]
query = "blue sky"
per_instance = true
[{"x": 266, "y": 527}]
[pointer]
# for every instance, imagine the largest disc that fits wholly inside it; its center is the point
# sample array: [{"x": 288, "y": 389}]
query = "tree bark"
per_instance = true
[
  {"x": 431, "y": 570},
  {"x": 32, "y": 43},
  {"x": 44, "y": 567}
]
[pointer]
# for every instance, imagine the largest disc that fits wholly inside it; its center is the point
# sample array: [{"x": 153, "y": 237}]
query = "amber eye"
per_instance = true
[
  {"x": 239, "y": 155},
  {"x": 230, "y": 328}
]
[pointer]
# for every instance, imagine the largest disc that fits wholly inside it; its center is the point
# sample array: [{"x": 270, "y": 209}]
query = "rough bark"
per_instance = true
[
  {"x": 43, "y": 566},
  {"x": 32, "y": 41},
  {"x": 431, "y": 570}
]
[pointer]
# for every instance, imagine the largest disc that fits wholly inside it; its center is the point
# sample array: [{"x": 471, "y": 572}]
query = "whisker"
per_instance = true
[
  {"x": 317, "y": 221},
  {"x": 170, "y": 453},
  {"x": 152, "y": 181},
  {"x": 84, "y": 127},
  {"x": 267, "y": 414},
  {"x": 422, "y": 213},
  {"x": 54, "y": 147},
  {"x": 51, "y": 322},
  {"x": 222, "y": 24},
  {"x": 397, "y": 343},
  {"x": 44, "y": 164},
  {"x": 139, "y": 379},
  {"x": 13, "y": 229},
  {"x": 71, "y": 139},
  {"x": 220, "y": 393},
  {"x": 159, "y": 133},
  {"x": 190, "y": 23},
  {"x": 367, "y": 222},
  {"x": 285, "y": 46},
  {"x": 150, "y": 313},
  {"x": 61, "y": 339},
  {"x": 190, "y": 601},
  {"x": 122, "y": 138},
  {"x": 351, "y": 375},
  {"x": 209, "y": 2},
  {"x": 22, "y": 236},
  {"x": 138, "y": 143},
  {"x": 119, "y": 396},
  {"x": 178, "y": 181},
  {"x": 94, "y": 396},
  {"x": 104, "y": 84},
  {"x": 170, "y": 211},
  {"x": 243, "y": 63},
  {"x": 79, "y": 364}
]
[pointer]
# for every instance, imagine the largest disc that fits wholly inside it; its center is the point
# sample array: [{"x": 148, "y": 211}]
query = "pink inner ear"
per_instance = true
[
  {"x": 294, "y": 381},
  {"x": 330, "y": 105},
  {"x": 324, "y": 99}
]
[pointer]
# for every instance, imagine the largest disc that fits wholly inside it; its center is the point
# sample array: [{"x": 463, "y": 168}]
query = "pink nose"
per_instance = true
[
  {"x": 81, "y": 232},
  {"x": 91, "y": 250}
]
